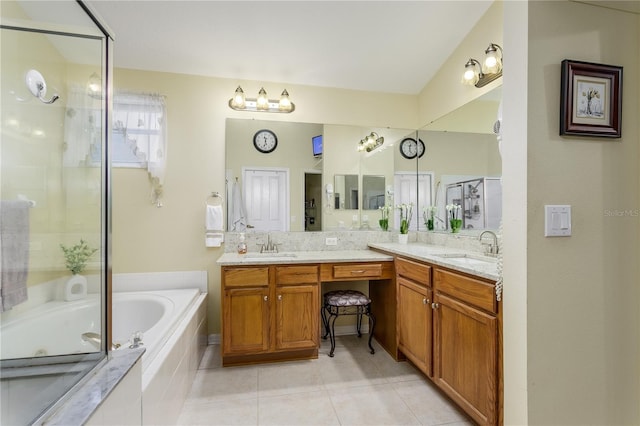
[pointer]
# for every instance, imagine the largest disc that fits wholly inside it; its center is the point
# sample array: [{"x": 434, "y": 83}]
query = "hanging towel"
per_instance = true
[
  {"x": 239, "y": 217},
  {"x": 214, "y": 218},
  {"x": 213, "y": 222},
  {"x": 14, "y": 252}
]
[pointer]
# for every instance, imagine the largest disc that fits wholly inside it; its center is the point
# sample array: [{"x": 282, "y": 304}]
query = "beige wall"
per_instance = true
[
  {"x": 146, "y": 238},
  {"x": 571, "y": 344},
  {"x": 444, "y": 93}
]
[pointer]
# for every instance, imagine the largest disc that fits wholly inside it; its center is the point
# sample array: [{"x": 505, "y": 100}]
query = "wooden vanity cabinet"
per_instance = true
[
  {"x": 297, "y": 302},
  {"x": 246, "y": 310},
  {"x": 414, "y": 313},
  {"x": 466, "y": 345},
  {"x": 269, "y": 313},
  {"x": 448, "y": 326}
]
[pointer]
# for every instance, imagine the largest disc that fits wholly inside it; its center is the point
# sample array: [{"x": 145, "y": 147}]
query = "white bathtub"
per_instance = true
[
  {"x": 155, "y": 314},
  {"x": 61, "y": 325}
]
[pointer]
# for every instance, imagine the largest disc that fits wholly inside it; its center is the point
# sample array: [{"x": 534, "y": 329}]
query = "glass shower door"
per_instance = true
[{"x": 53, "y": 212}]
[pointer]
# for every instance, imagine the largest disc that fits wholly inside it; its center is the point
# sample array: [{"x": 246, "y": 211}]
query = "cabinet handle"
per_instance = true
[
  {"x": 266, "y": 298},
  {"x": 359, "y": 271},
  {"x": 435, "y": 305},
  {"x": 425, "y": 301},
  {"x": 279, "y": 297}
]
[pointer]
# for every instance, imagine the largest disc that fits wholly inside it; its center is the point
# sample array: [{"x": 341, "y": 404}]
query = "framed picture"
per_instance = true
[{"x": 591, "y": 100}]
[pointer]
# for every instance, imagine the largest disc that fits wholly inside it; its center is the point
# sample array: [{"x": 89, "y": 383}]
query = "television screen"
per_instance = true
[{"x": 317, "y": 145}]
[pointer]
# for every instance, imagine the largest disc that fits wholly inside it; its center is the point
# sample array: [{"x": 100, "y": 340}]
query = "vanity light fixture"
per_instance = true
[
  {"x": 262, "y": 103},
  {"x": 479, "y": 75},
  {"x": 371, "y": 142}
]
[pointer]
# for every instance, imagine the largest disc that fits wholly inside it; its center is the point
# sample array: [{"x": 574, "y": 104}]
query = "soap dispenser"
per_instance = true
[{"x": 242, "y": 245}]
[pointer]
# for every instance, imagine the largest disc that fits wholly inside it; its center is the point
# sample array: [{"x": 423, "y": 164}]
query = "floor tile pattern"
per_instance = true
[{"x": 352, "y": 388}]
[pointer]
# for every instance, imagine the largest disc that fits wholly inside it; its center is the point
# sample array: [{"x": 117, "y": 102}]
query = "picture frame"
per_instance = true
[{"x": 590, "y": 100}]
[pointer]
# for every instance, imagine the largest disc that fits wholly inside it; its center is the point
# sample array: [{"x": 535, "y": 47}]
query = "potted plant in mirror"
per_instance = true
[
  {"x": 429, "y": 216},
  {"x": 406, "y": 211},
  {"x": 455, "y": 223},
  {"x": 76, "y": 258},
  {"x": 384, "y": 221}
]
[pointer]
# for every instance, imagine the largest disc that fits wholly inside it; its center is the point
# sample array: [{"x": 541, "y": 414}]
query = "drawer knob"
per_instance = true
[
  {"x": 435, "y": 305},
  {"x": 279, "y": 297},
  {"x": 266, "y": 298},
  {"x": 425, "y": 301}
]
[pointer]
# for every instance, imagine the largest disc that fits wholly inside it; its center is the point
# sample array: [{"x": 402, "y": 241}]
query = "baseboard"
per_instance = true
[{"x": 340, "y": 330}]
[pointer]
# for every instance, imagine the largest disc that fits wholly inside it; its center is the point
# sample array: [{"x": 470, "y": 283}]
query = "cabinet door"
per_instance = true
[
  {"x": 297, "y": 313},
  {"x": 246, "y": 320},
  {"x": 414, "y": 319},
  {"x": 465, "y": 357}
]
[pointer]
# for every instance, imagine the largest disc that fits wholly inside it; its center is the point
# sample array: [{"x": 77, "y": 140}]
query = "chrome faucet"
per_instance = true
[
  {"x": 493, "y": 247},
  {"x": 270, "y": 247}
]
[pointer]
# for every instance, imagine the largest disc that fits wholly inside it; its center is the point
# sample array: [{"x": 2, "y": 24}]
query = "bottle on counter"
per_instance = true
[{"x": 242, "y": 245}]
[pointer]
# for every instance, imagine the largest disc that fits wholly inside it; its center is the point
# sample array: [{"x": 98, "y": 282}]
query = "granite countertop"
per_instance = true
[
  {"x": 459, "y": 260},
  {"x": 452, "y": 258},
  {"x": 322, "y": 256}
]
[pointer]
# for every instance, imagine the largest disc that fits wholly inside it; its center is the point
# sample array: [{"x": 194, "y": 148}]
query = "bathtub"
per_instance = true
[
  {"x": 172, "y": 322},
  {"x": 154, "y": 314},
  {"x": 174, "y": 329}
]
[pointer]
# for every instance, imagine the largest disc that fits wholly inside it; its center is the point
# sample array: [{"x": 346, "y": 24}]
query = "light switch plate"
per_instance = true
[{"x": 557, "y": 220}]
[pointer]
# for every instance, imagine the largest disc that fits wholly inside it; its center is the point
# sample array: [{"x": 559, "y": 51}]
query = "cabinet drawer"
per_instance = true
[
  {"x": 418, "y": 272},
  {"x": 361, "y": 270},
  {"x": 307, "y": 274},
  {"x": 475, "y": 292},
  {"x": 246, "y": 277}
]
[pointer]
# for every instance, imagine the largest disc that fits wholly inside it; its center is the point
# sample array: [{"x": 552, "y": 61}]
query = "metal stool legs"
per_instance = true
[{"x": 329, "y": 315}]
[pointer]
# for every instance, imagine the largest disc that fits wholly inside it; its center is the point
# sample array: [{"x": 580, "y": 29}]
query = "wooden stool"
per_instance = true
[{"x": 346, "y": 302}]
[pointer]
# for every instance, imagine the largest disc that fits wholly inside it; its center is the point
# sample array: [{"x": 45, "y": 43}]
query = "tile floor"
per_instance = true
[{"x": 353, "y": 388}]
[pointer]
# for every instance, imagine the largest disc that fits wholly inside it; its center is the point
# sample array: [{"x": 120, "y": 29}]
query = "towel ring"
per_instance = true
[{"x": 215, "y": 196}]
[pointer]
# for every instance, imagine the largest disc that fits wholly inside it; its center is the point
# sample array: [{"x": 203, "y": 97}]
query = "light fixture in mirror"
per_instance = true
[
  {"x": 371, "y": 142},
  {"x": 262, "y": 103}
]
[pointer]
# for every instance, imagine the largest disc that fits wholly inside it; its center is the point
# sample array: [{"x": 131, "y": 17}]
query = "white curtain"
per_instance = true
[
  {"x": 82, "y": 127},
  {"x": 142, "y": 119}
]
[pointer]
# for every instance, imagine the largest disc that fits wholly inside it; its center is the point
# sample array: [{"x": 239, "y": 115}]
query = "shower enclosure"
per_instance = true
[{"x": 54, "y": 203}]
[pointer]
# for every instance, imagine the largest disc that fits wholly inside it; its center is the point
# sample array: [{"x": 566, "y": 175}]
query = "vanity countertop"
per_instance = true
[
  {"x": 456, "y": 259},
  {"x": 328, "y": 256},
  {"x": 452, "y": 258}
]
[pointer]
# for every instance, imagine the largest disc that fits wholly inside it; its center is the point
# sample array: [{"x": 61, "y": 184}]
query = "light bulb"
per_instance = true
[
  {"x": 262, "y": 102},
  {"x": 470, "y": 76},
  {"x": 239, "y": 99},
  {"x": 492, "y": 61},
  {"x": 285, "y": 103}
]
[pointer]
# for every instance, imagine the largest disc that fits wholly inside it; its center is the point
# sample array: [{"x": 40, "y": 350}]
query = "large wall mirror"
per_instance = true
[
  {"x": 294, "y": 188},
  {"x": 462, "y": 153}
]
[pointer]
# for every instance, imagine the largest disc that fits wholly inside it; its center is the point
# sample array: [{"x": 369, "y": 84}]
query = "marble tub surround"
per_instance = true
[
  {"x": 309, "y": 241},
  {"x": 83, "y": 403},
  {"x": 469, "y": 262}
]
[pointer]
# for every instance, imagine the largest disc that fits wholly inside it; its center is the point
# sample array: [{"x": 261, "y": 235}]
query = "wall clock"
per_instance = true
[
  {"x": 409, "y": 148},
  {"x": 265, "y": 141}
]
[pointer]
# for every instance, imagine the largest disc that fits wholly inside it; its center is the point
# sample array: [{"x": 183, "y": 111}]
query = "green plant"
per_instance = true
[
  {"x": 428, "y": 214},
  {"x": 384, "y": 222},
  {"x": 406, "y": 211},
  {"x": 77, "y": 256}
]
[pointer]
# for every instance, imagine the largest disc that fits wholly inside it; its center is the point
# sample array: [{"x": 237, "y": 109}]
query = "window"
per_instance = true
[{"x": 139, "y": 131}]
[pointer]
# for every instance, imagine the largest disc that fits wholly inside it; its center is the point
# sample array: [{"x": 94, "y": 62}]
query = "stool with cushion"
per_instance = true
[{"x": 346, "y": 302}]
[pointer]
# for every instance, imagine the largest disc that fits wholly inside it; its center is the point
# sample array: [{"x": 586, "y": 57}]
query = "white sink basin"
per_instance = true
[
  {"x": 270, "y": 256},
  {"x": 468, "y": 259}
]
